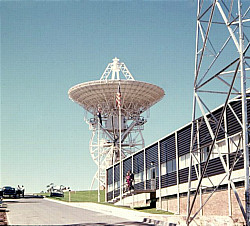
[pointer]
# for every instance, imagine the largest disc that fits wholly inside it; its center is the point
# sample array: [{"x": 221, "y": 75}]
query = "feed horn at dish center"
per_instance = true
[{"x": 116, "y": 103}]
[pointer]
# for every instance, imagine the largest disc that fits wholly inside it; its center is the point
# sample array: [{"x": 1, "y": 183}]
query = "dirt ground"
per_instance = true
[{"x": 3, "y": 218}]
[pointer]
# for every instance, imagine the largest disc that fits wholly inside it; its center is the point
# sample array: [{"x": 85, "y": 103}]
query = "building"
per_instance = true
[{"x": 163, "y": 168}]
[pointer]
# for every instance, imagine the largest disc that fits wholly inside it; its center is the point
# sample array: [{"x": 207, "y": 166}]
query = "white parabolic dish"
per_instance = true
[{"x": 136, "y": 96}]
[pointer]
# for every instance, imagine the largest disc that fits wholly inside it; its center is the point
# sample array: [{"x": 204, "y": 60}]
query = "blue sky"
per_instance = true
[{"x": 49, "y": 46}]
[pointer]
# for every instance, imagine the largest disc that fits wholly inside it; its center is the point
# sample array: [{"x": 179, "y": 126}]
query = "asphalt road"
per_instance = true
[{"x": 37, "y": 211}]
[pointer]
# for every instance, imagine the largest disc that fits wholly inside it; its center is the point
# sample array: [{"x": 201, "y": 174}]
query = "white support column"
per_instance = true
[
  {"x": 113, "y": 180},
  {"x": 132, "y": 164},
  {"x": 106, "y": 186},
  {"x": 159, "y": 167},
  {"x": 177, "y": 172},
  {"x": 228, "y": 165},
  {"x": 98, "y": 138},
  {"x": 199, "y": 159},
  {"x": 244, "y": 113},
  {"x": 113, "y": 174},
  {"x": 145, "y": 170}
]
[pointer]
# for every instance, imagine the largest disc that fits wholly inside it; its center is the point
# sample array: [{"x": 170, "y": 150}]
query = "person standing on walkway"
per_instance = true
[
  {"x": 23, "y": 189},
  {"x": 128, "y": 181}
]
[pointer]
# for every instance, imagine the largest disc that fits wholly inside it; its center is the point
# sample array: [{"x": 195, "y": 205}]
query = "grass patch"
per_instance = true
[
  {"x": 79, "y": 196},
  {"x": 152, "y": 210},
  {"x": 91, "y": 196}
]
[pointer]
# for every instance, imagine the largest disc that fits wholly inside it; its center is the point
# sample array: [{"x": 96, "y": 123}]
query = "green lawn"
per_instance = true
[
  {"x": 153, "y": 211},
  {"x": 91, "y": 196},
  {"x": 80, "y": 196}
]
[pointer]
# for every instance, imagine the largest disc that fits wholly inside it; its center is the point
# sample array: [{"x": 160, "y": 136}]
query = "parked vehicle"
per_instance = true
[
  {"x": 9, "y": 191},
  {"x": 56, "y": 193}
]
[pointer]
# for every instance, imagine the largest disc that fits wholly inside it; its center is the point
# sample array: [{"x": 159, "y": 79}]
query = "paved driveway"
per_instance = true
[{"x": 35, "y": 211}]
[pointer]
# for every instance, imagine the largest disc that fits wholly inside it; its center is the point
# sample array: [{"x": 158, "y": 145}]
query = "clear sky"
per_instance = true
[{"x": 49, "y": 46}]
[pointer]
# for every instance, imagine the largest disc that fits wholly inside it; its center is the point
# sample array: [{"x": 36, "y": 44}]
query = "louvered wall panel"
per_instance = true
[
  {"x": 110, "y": 175},
  {"x": 168, "y": 180},
  {"x": 167, "y": 147},
  {"x": 239, "y": 164},
  {"x": 110, "y": 195},
  {"x": 232, "y": 123},
  {"x": 127, "y": 166},
  {"x": 184, "y": 138},
  {"x": 117, "y": 172},
  {"x": 183, "y": 175},
  {"x": 204, "y": 134},
  {"x": 248, "y": 110},
  {"x": 138, "y": 162},
  {"x": 213, "y": 123},
  {"x": 152, "y": 155},
  {"x": 139, "y": 186},
  {"x": 214, "y": 167},
  {"x": 117, "y": 193}
]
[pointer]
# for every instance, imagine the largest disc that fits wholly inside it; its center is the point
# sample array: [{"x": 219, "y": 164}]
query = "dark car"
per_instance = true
[
  {"x": 9, "y": 191},
  {"x": 56, "y": 193}
]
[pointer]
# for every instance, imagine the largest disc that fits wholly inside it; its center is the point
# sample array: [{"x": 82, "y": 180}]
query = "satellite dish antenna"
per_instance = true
[{"x": 99, "y": 99}]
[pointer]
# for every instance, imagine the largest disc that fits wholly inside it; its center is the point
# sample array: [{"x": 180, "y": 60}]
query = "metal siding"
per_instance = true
[
  {"x": 183, "y": 175},
  {"x": 217, "y": 114},
  {"x": 117, "y": 172},
  {"x": 116, "y": 192},
  {"x": 184, "y": 138},
  {"x": 152, "y": 155},
  {"x": 110, "y": 175},
  {"x": 214, "y": 167},
  {"x": 233, "y": 125},
  {"x": 139, "y": 186},
  {"x": 248, "y": 111},
  {"x": 138, "y": 162},
  {"x": 127, "y": 165},
  {"x": 168, "y": 180},
  {"x": 110, "y": 195},
  {"x": 204, "y": 134},
  {"x": 239, "y": 164},
  {"x": 167, "y": 149}
]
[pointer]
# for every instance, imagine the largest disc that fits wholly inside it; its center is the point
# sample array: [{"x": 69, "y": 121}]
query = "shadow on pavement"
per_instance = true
[
  {"x": 117, "y": 224},
  {"x": 33, "y": 197}
]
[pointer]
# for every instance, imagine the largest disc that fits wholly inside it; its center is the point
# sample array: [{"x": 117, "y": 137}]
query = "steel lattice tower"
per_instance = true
[{"x": 222, "y": 64}]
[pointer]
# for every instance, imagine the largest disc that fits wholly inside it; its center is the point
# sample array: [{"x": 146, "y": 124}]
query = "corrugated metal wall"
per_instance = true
[
  {"x": 110, "y": 195},
  {"x": 152, "y": 155},
  {"x": 184, "y": 138},
  {"x": 168, "y": 152},
  {"x": 117, "y": 172},
  {"x": 110, "y": 175},
  {"x": 127, "y": 165},
  {"x": 168, "y": 179},
  {"x": 205, "y": 137},
  {"x": 151, "y": 158},
  {"x": 233, "y": 125},
  {"x": 138, "y": 162},
  {"x": 214, "y": 167},
  {"x": 167, "y": 147}
]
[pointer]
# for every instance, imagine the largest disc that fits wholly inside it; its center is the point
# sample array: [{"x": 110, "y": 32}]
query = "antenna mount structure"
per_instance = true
[{"x": 99, "y": 99}]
